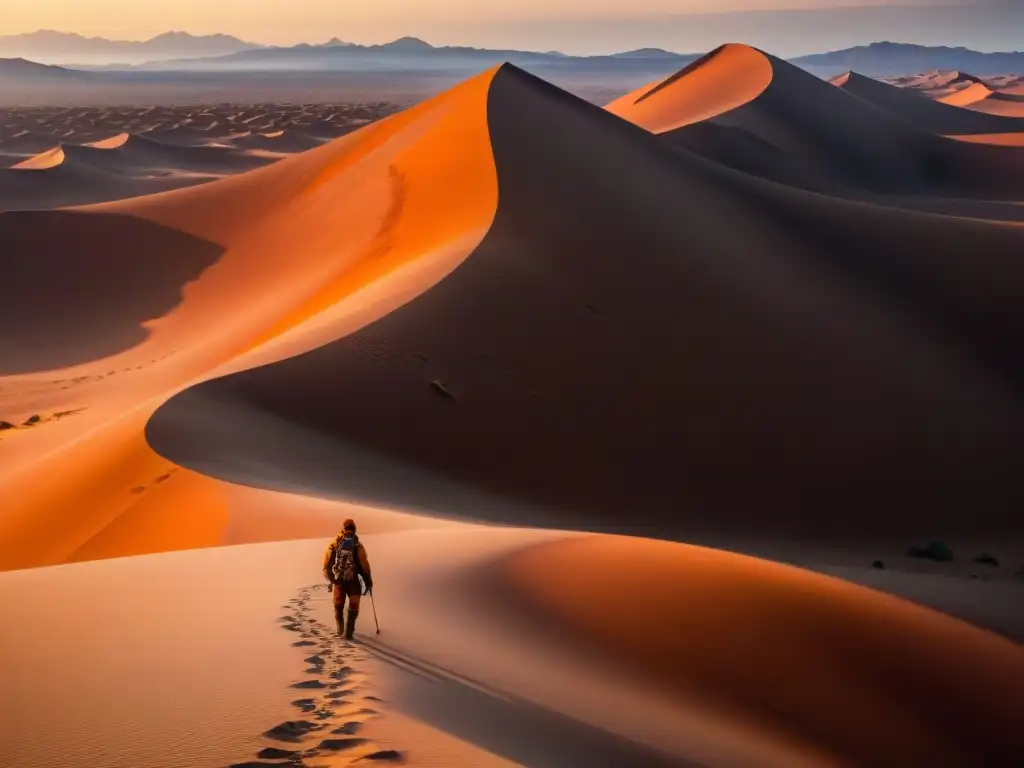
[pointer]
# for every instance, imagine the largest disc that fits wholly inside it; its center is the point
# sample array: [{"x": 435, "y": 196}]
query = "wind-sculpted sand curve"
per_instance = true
[
  {"x": 357, "y": 226},
  {"x": 595, "y": 354}
]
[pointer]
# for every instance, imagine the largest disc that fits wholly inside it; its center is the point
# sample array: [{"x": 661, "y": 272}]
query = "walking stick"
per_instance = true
[{"x": 374, "y": 606}]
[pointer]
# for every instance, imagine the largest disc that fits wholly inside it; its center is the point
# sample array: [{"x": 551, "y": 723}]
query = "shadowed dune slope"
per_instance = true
[
  {"x": 933, "y": 116},
  {"x": 680, "y": 349},
  {"x": 824, "y": 138},
  {"x": 106, "y": 274},
  {"x": 67, "y": 182},
  {"x": 859, "y": 677},
  {"x": 123, "y": 304}
]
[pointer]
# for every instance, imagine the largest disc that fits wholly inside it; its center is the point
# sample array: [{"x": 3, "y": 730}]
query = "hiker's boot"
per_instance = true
[
  {"x": 350, "y": 626},
  {"x": 339, "y": 616}
]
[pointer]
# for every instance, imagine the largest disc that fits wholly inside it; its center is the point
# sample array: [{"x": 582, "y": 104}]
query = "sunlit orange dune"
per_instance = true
[
  {"x": 1003, "y": 139},
  {"x": 112, "y": 143},
  {"x": 726, "y": 78},
  {"x": 51, "y": 158},
  {"x": 854, "y": 674},
  {"x": 204, "y": 242},
  {"x": 966, "y": 96},
  {"x": 750, "y": 111}
]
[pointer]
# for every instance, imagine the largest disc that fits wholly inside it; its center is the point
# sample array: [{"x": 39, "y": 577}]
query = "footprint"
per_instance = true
[
  {"x": 274, "y": 753},
  {"x": 315, "y": 659},
  {"x": 309, "y": 684},
  {"x": 349, "y": 729},
  {"x": 303, "y": 643},
  {"x": 337, "y": 745},
  {"x": 386, "y": 755},
  {"x": 291, "y": 730},
  {"x": 306, "y": 705}
]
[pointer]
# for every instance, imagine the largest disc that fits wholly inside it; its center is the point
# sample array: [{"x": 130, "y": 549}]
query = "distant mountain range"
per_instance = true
[
  {"x": 182, "y": 52},
  {"x": 406, "y": 53},
  {"x": 66, "y": 48},
  {"x": 889, "y": 59}
]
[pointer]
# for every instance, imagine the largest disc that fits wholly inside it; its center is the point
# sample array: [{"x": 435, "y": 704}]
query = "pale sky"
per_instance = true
[{"x": 574, "y": 26}]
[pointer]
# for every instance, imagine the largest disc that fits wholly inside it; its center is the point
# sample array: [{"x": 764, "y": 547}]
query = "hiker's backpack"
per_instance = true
[{"x": 344, "y": 566}]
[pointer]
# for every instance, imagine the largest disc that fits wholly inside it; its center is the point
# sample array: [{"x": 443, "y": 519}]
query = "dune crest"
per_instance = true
[
  {"x": 967, "y": 96},
  {"x": 51, "y": 158},
  {"x": 728, "y": 77},
  {"x": 119, "y": 140}
]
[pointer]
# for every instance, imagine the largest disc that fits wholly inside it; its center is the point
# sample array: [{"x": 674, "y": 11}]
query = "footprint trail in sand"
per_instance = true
[{"x": 333, "y": 703}]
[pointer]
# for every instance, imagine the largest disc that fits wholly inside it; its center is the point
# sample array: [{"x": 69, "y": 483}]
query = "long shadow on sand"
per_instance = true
[
  {"x": 515, "y": 729},
  {"x": 79, "y": 285}
]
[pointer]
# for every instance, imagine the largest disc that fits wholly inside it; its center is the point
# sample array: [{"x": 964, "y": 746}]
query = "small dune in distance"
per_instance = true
[{"x": 680, "y": 429}]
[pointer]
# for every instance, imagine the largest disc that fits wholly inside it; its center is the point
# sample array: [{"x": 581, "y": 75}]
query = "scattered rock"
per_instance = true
[
  {"x": 5, "y": 425},
  {"x": 935, "y": 550},
  {"x": 440, "y": 388},
  {"x": 33, "y": 419},
  {"x": 138, "y": 489},
  {"x": 592, "y": 308},
  {"x": 986, "y": 559},
  {"x": 878, "y": 564}
]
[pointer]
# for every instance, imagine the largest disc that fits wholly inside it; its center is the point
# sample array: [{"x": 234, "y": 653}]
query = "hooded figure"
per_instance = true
[{"x": 344, "y": 562}]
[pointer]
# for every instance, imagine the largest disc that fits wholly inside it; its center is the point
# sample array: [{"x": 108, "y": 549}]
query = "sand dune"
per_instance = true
[
  {"x": 967, "y": 96},
  {"x": 1004, "y": 139},
  {"x": 714, "y": 643},
  {"x": 153, "y": 149},
  {"x": 820, "y": 137},
  {"x": 898, "y": 330},
  {"x": 933, "y": 116},
  {"x": 382, "y": 225},
  {"x": 915, "y": 342},
  {"x": 1001, "y": 104},
  {"x": 508, "y": 305}
]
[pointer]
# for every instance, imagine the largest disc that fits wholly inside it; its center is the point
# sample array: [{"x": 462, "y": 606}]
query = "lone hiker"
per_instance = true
[{"x": 344, "y": 562}]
